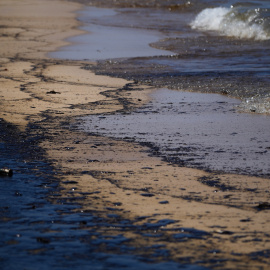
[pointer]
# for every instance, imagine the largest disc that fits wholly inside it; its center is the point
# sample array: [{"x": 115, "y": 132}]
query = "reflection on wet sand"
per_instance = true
[{"x": 77, "y": 200}]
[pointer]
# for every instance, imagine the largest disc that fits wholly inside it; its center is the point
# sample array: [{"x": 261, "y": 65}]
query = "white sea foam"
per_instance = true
[{"x": 231, "y": 22}]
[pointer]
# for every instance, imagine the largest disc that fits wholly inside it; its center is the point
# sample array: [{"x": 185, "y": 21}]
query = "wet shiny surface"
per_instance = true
[
  {"x": 196, "y": 60},
  {"x": 106, "y": 40},
  {"x": 197, "y": 130},
  {"x": 42, "y": 225}
]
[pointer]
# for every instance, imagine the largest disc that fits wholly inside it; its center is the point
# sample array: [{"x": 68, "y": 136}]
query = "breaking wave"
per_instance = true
[{"x": 240, "y": 22}]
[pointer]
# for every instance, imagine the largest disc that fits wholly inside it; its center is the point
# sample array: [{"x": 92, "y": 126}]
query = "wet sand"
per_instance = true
[
  {"x": 124, "y": 42},
  {"x": 210, "y": 219},
  {"x": 198, "y": 130}
]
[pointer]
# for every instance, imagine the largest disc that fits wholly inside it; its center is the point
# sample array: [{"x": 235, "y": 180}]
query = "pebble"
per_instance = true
[{"x": 6, "y": 172}]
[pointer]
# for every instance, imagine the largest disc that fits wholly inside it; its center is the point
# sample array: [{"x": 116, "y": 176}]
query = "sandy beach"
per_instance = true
[{"x": 229, "y": 212}]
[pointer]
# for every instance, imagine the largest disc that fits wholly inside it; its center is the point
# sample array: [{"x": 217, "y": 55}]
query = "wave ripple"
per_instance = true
[{"x": 240, "y": 22}]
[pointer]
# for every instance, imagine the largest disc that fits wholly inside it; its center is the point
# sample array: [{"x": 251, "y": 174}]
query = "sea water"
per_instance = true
[
  {"x": 194, "y": 130},
  {"x": 204, "y": 46},
  {"x": 200, "y": 46},
  {"x": 108, "y": 41},
  {"x": 241, "y": 20},
  {"x": 37, "y": 234},
  {"x": 40, "y": 229}
]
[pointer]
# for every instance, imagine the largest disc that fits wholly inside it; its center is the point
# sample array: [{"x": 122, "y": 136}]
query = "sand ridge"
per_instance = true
[{"x": 50, "y": 94}]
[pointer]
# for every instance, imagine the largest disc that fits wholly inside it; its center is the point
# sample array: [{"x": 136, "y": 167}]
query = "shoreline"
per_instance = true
[
  {"x": 113, "y": 174},
  {"x": 195, "y": 130}
]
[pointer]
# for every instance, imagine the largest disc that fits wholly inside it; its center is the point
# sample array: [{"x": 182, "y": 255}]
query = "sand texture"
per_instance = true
[{"x": 46, "y": 95}]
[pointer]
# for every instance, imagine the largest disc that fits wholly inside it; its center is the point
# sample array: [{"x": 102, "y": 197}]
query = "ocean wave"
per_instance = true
[{"x": 237, "y": 22}]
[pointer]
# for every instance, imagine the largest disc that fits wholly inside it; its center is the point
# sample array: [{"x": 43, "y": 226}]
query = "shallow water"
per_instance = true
[
  {"x": 214, "y": 47},
  {"x": 107, "y": 42},
  {"x": 203, "y": 46},
  {"x": 41, "y": 229},
  {"x": 196, "y": 130},
  {"x": 196, "y": 57}
]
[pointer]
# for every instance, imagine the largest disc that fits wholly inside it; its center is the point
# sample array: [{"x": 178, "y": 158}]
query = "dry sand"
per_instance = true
[{"x": 116, "y": 174}]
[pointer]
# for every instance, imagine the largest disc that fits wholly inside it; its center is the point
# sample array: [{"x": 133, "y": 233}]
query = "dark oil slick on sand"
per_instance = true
[
  {"x": 45, "y": 229},
  {"x": 42, "y": 226},
  {"x": 214, "y": 47},
  {"x": 195, "y": 130}
]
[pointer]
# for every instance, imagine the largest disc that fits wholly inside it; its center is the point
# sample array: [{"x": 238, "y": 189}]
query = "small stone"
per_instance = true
[
  {"x": 18, "y": 194},
  {"x": 224, "y": 92},
  {"x": 6, "y": 172}
]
